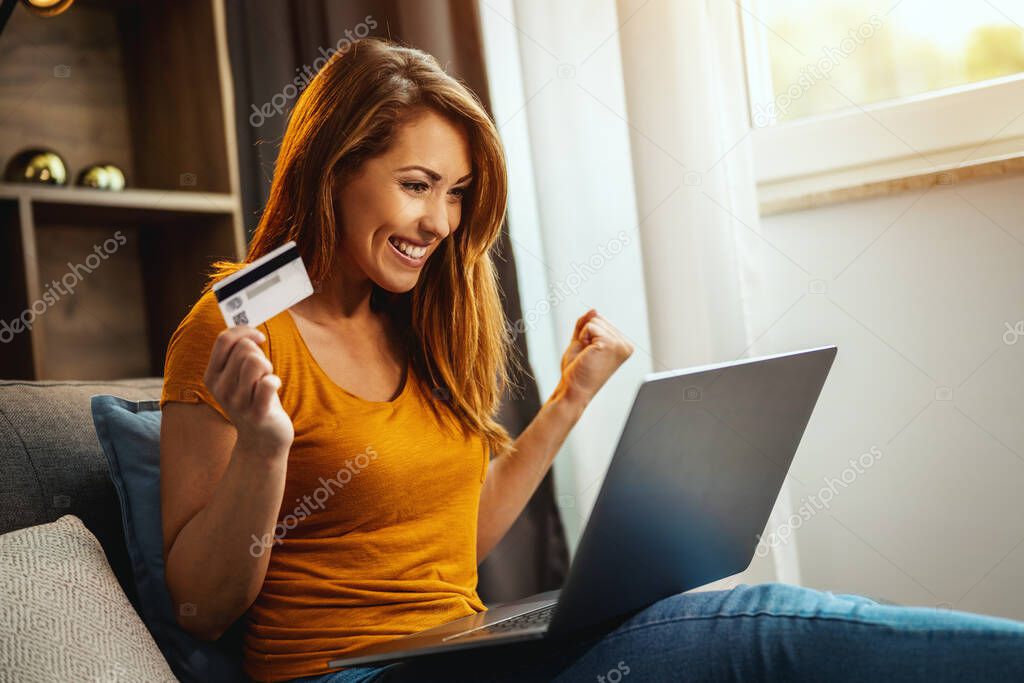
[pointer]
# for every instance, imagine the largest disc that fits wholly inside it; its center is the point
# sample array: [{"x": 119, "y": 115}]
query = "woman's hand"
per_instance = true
[
  {"x": 241, "y": 378},
  {"x": 596, "y": 351}
]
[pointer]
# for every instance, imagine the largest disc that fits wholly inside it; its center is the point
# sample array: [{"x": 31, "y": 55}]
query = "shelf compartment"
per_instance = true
[
  {"x": 16, "y": 356},
  {"x": 115, "y": 315},
  {"x": 137, "y": 84}
]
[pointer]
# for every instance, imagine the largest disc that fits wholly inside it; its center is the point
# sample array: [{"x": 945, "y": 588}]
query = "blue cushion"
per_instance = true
[{"x": 129, "y": 432}]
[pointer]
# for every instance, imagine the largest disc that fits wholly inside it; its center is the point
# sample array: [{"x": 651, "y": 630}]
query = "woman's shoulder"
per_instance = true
[
  {"x": 192, "y": 341},
  {"x": 189, "y": 349},
  {"x": 197, "y": 332},
  {"x": 201, "y": 324},
  {"x": 205, "y": 312}
]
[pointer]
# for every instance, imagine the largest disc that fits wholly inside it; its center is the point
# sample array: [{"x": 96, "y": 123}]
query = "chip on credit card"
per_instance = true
[{"x": 267, "y": 286}]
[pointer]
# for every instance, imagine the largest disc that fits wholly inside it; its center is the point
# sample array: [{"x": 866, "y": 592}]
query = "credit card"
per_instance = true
[{"x": 267, "y": 286}]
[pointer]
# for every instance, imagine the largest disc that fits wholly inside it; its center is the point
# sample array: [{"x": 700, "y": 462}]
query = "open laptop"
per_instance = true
[{"x": 688, "y": 492}]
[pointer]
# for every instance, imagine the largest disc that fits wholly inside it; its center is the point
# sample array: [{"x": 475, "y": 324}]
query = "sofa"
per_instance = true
[
  {"x": 53, "y": 473},
  {"x": 51, "y": 463}
]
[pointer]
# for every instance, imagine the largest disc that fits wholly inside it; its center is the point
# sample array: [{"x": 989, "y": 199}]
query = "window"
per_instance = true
[
  {"x": 821, "y": 56},
  {"x": 847, "y": 92}
]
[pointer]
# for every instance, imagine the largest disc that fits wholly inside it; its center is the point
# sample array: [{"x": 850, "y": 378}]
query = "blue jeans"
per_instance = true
[{"x": 769, "y": 632}]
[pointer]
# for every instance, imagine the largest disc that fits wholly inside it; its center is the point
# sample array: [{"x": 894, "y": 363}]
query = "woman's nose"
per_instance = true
[{"x": 435, "y": 218}]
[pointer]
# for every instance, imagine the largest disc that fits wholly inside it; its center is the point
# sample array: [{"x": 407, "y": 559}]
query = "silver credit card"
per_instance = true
[{"x": 272, "y": 283}]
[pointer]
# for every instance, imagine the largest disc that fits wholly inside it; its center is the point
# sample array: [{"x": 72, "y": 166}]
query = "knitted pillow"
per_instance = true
[{"x": 63, "y": 615}]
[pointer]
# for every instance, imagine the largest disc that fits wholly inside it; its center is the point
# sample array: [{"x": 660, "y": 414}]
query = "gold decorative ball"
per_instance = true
[
  {"x": 102, "y": 177},
  {"x": 43, "y": 166},
  {"x": 47, "y": 8}
]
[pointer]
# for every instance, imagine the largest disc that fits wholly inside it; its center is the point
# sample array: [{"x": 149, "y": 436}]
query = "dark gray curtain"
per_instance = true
[{"x": 269, "y": 40}]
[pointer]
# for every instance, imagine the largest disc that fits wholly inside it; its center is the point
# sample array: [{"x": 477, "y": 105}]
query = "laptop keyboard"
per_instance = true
[{"x": 539, "y": 617}]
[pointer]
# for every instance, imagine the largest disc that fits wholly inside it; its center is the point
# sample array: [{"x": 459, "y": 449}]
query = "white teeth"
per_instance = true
[{"x": 410, "y": 250}]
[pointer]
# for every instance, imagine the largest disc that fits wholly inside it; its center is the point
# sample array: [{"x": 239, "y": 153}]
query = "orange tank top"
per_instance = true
[{"x": 377, "y": 529}]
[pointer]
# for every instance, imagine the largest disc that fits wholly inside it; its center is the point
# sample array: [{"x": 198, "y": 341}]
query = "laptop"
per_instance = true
[{"x": 690, "y": 487}]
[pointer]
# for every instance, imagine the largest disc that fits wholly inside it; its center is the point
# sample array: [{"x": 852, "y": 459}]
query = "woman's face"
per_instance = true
[{"x": 398, "y": 206}]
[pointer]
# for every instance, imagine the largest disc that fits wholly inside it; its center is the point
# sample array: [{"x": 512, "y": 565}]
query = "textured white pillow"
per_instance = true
[{"x": 63, "y": 615}]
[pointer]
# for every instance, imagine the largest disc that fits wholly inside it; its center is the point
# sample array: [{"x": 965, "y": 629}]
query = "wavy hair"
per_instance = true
[{"x": 452, "y": 321}]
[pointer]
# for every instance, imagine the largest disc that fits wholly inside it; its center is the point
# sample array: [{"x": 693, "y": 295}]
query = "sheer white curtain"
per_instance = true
[{"x": 626, "y": 127}]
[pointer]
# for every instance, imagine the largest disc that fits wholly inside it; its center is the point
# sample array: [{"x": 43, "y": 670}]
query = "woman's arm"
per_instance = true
[
  {"x": 596, "y": 351},
  {"x": 221, "y": 486},
  {"x": 513, "y": 477}
]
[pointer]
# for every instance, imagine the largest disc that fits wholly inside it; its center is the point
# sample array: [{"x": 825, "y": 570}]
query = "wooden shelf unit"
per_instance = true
[{"x": 105, "y": 277}]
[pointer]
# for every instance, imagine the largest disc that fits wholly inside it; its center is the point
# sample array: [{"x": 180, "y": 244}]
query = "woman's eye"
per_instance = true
[
  {"x": 416, "y": 187},
  {"x": 458, "y": 192}
]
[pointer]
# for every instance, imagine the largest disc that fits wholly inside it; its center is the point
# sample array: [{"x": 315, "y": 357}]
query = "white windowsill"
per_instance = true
[{"x": 816, "y": 192}]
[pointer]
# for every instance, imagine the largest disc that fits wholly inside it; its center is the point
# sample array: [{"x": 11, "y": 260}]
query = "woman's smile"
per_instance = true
[{"x": 408, "y": 253}]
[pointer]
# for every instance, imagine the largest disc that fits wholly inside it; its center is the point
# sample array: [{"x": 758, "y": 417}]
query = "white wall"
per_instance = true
[{"x": 916, "y": 290}]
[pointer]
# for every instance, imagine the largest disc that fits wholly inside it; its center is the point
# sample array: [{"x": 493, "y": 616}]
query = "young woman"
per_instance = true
[{"x": 328, "y": 474}]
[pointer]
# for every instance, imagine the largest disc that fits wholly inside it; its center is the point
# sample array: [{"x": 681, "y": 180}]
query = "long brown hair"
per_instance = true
[{"x": 452, "y": 320}]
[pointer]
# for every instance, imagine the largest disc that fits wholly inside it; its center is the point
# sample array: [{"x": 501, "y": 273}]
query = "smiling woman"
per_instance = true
[
  {"x": 376, "y": 164},
  {"x": 391, "y": 182}
]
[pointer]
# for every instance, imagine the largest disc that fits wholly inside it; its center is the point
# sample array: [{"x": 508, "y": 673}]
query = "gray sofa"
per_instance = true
[{"x": 51, "y": 463}]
